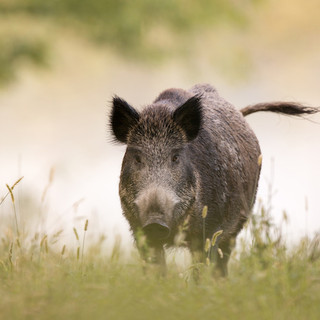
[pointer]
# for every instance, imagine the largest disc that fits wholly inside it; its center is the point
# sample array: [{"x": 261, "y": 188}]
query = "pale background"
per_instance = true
[{"x": 58, "y": 118}]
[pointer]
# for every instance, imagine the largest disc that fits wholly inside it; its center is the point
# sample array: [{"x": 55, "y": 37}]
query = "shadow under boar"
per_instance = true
[{"x": 186, "y": 151}]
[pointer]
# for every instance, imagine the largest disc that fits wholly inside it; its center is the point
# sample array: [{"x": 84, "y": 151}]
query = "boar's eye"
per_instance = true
[
  {"x": 175, "y": 158},
  {"x": 137, "y": 158},
  {"x": 135, "y": 155}
]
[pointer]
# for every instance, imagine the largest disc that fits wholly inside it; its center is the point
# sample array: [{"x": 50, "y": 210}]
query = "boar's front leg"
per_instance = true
[
  {"x": 157, "y": 257},
  {"x": 153, "y": 255}
]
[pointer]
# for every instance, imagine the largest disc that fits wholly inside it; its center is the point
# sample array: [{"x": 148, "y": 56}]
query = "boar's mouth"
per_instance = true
[{"x": 156, "y": 230}]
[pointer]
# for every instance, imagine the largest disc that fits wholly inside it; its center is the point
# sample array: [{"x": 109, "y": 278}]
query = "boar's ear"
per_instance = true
[
  {"x": 189, "y": 117},
  {"x": 122, "y": 118}
]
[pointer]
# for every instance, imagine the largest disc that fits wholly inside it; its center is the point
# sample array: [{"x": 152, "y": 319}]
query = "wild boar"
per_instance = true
[{"x": 187, "y": 150}]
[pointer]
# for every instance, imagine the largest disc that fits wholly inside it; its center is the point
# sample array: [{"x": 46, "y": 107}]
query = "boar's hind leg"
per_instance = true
[{"x": 220, "y": 258}]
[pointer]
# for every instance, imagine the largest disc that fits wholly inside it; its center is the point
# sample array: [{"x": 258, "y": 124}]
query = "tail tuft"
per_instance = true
[{"x": 289, "y": 108}]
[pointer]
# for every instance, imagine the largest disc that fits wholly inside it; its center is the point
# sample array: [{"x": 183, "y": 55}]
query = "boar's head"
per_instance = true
[{"x": 158, "y": 181}]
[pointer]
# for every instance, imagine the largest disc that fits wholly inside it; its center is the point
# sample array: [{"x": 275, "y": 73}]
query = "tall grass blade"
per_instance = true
[
  {"x": 14, "y": 210},
  {"x": 76, "y": 233},
  {"x": 10, "y": 192},
  {"x": 63, "y": 250},
  {"x": 84, "y": 238},
  {"x": 215, "y": 237}
]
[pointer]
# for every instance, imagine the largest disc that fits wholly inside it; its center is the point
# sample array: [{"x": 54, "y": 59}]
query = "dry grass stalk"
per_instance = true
[
  {"x": 10, "y": 255},
  {"x": 76, "y": 233},
  {"x": 204, "y": 212},
  {"x": 11, "y": 193},
  {"x": 84, "y": 238},
  {"x": 16, "y": 182},
  {"x": 204, "y": 215},
  {"x": 10, "y": 190},
  {"x": 207, "y": 245},
  {"x": 215, "y": 237},
  {"x": 86, "y": 225},
  {"x": 14, "y": 208},
  {"x": 220, "y": 253},
  {"x": 51, "y": 178},
  {"x": 43, "y": 240}
]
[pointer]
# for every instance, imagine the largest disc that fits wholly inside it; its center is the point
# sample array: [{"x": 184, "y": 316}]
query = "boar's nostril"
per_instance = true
[{"x": 156, "y": 231}]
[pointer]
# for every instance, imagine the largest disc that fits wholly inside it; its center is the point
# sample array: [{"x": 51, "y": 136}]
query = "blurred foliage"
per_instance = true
[
  {"x": 44, "y": 277},
  {"x": 16, "y": 51},
  {"x": 140, "y": 29}
]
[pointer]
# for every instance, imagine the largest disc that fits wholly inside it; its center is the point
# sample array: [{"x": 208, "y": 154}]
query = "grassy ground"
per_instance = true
[{"x": 267, "y": 281}]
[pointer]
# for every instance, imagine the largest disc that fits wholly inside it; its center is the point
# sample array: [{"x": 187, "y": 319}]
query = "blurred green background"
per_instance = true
[
  {"x": 141, "y": 30},
  {"x": 61, "y": 61}
]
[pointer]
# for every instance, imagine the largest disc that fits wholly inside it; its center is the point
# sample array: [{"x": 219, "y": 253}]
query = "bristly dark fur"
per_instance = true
[
  {"x": 288, "y": 108},
  {"x": 186, "y": 150}
]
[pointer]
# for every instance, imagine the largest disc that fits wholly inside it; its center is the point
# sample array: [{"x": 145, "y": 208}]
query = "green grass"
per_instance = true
[{"x": 267, "y": 280}]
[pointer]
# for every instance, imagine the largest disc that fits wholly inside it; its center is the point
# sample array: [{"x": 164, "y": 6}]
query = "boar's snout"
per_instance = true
[
  {"x": 156, "y": 229},
  {"x": 155, "y": 205}
]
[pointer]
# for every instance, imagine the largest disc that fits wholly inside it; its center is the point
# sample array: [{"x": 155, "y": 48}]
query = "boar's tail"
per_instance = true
[{"x": 289, "y": 108}]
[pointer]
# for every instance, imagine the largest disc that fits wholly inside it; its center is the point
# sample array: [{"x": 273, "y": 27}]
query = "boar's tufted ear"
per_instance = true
[
  {"x": 122, "y": 118},
  {"x": 189, "y": 117}
]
